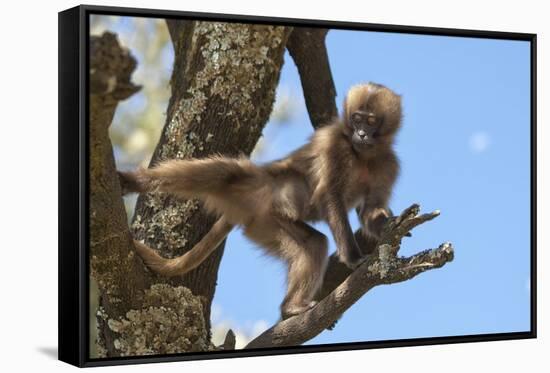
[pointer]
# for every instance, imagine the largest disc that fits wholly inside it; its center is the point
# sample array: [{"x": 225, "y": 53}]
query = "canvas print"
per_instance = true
[{"x": 252, "y": 186}]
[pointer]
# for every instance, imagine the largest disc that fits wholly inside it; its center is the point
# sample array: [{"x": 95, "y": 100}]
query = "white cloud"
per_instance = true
[
  {"x": 219, "y": 331},
  {"x": 244, "y": 333},
  {"x": 479, "y": 142}
]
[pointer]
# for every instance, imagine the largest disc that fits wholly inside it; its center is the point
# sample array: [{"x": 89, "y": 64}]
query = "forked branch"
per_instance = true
[{"x": 382, "y": 267}]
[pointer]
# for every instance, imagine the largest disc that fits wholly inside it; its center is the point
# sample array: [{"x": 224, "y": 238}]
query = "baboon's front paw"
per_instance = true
[{"x": 351, "y": 262}]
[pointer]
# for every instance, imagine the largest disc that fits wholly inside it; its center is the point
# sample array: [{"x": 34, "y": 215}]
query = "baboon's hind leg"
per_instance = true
[{"x": 305, "y": 249}]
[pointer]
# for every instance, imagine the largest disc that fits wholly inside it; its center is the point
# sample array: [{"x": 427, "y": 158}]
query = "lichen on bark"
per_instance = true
[
  {"x": 170, "y": 321},
  {"x": 228, "y": 66}
]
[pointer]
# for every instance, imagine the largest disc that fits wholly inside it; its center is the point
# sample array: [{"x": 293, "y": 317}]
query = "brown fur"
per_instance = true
[{"x": 346, "y": 164}]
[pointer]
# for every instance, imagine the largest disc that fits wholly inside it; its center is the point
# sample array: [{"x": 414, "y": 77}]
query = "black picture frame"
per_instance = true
[{"x": 74, "y": 183}]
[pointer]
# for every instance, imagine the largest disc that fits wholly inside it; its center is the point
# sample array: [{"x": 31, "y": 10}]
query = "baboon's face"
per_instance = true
[{"x": 373, "y": 113}]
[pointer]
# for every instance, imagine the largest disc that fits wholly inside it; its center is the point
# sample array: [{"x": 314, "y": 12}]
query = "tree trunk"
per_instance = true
[{"x": 223, "y": 89}]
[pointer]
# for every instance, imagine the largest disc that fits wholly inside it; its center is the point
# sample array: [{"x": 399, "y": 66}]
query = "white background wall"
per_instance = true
[{"x": 28, "y": 182}]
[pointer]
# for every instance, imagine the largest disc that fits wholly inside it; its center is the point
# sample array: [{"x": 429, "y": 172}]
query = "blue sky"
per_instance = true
[{"x": 464, "y": 149}]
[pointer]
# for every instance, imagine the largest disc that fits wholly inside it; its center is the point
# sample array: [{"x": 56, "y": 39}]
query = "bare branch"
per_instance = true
[
  {"x": 383, "y": 267},
  {"x": 308, "y": 50},
  {"x": 337, "y": 272}
]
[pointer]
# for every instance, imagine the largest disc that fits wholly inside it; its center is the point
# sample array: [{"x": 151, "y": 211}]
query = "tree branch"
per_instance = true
[
  {"x": 308, "y": 50},
  {"x": 380, "y": 268},
  {"x": 175, "y": 28},
  {"x": 117, "y": 271},
  {"x": 337, "y": 272},
  {"x": 111, "y": 67}
]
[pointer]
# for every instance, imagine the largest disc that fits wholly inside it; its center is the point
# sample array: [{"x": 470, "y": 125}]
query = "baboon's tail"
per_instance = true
[
  {"x": 189, "y": 260},
  {"x": 234, "y": 187},
  {"x": 195, "y": 177}
]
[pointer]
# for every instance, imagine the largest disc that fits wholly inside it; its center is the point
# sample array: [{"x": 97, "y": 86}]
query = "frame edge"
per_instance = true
[
  {"x": 71, "y": 295},
  {"x": 69, "y": 248}
]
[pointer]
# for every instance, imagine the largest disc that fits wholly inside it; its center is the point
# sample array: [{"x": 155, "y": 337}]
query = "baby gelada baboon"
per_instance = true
[{"x": 346, "y": 164}]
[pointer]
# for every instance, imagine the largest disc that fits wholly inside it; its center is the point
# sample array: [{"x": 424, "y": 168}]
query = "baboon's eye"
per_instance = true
[
  {"x": 356, "y": 117},
  {"x": 371, "y": 120}
]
